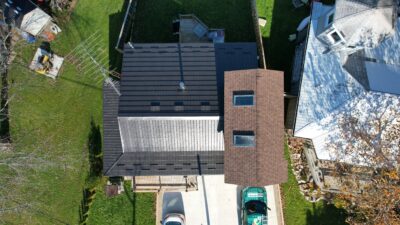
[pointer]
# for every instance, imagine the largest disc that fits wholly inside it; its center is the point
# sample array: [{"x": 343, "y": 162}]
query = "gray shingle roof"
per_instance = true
[
  {"x": 355, "y": 66},
  {"x": 168, "y": 163},
  {"x": 112, "y": 140},
  {"x": 361, "y": 20},
  {"x": 346, "y": 8}
]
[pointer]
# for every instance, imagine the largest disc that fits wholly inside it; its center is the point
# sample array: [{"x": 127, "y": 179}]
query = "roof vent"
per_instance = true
[
  {"x": 182, "y": 86},
  {"x": 179, "y": 106},
  {"x": 155, "y": 106},
  {"x": 205, "y": 106}
]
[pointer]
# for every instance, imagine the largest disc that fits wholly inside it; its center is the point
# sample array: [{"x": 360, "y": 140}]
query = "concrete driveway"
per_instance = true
[{"x": 217, "y": 203}]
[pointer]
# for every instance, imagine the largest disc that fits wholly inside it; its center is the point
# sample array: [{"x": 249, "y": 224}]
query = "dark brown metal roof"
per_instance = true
[
  {"x": 263, "y": 164},
  {"x": 152, "y": 73},
  {"x": 116, "y": 162},
  {"x": 150, "y": 88}
]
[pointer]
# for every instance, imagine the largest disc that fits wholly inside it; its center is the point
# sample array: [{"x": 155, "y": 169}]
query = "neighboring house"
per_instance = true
[
  {"x": 28, "y": 17},
  {"x": 169, "y": 118},
  {"x": 351, "y": 59}
]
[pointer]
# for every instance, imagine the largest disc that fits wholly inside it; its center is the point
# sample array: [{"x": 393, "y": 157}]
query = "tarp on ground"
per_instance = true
[{"x": 34, "y": 21}]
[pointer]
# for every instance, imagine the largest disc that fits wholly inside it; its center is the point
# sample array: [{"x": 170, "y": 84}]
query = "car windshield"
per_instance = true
[
  {"x": 258, "y": 207},
  {"x": 173, "y": 223}
]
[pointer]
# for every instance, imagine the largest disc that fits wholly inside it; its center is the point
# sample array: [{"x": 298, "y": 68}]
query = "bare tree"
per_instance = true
[
  {"x": 20, "y": 167},
  {"x": 365, "y": 146},
  {"x": 60, "y": 4},
  {"x": 16, "y": 168}
]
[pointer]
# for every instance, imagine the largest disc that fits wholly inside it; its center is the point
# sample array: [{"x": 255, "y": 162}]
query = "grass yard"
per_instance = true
[
  {"x": 52, "y": 119},
  {"x": 282, "y": 20},
  {"x": 153, "y": 22},
  {"x": 127, "y": 208},
  {"x": 298, "y": 211}
]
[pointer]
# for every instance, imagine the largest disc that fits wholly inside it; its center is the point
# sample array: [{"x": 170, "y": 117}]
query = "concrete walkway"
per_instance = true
[{"x": 218, "y": 203}]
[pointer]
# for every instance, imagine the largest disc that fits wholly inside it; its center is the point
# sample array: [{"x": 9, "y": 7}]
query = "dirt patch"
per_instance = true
[
  {"x": 65, "y": 15},
  {"x": 72, "y": 6}
]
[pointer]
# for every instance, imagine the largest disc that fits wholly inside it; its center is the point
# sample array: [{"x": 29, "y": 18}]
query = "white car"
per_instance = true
[
  {"x": 174, "y": 219},
  {"x": 173, "y": 211}
]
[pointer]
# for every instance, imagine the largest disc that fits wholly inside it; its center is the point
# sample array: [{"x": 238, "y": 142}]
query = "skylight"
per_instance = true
[
  {"x": 243, "y": 98},
  {"x": 243, "y": 139}
]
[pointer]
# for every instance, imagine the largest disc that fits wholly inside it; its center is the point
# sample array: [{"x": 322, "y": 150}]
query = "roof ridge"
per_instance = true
[
  {"x": 361, "y": 12},
  {"x": 115, "y": 163}
]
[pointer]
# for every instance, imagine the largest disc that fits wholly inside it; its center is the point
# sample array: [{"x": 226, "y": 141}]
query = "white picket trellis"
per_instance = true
[{"x": 91, "y": 59}]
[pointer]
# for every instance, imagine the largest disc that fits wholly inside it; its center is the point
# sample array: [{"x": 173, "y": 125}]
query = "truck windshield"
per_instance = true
[
  {"x": 257, "y": 207},
  {"x": 173, "y": 223}
]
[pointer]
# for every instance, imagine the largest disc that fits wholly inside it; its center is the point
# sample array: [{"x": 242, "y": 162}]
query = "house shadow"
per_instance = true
[
  {"x": 279, "y": 51},
  {"x": 130, "y": 195},
  {"x": 95, "y": 152},
  {"x": 325, "y": 215},
  {"x": 114, "y": 27},
  {"x": 239, "y": 203}
]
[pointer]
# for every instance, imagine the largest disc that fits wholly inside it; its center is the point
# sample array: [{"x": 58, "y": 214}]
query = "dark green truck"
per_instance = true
[{"x": 254, "y": 206}]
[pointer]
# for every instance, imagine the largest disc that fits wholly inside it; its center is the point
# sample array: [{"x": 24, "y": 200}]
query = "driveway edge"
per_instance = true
[
  {"x": 278, "y": 203},
  {"x": 160, "y": 195}
]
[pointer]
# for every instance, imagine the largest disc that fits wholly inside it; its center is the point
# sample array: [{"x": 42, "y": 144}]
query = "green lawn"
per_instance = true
[
  {"x": 127, "y": 208},
  {"x": 52, "y": 118},
  {"x": 153, "y": 21},
  {"x": 298, "y": 211}
]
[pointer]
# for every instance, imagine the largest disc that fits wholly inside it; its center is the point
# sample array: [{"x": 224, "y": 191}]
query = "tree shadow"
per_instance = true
[
  {"x": 95, "y": 153},
  {"x": 87, "y": 199},
  {"x": 132, "y": 199},
  {"x": 4, "y": 117},
  {"x": 325, "y": 215},
  {"x": 95, "y": 171},
  {"x": 114, "y": 27}
]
